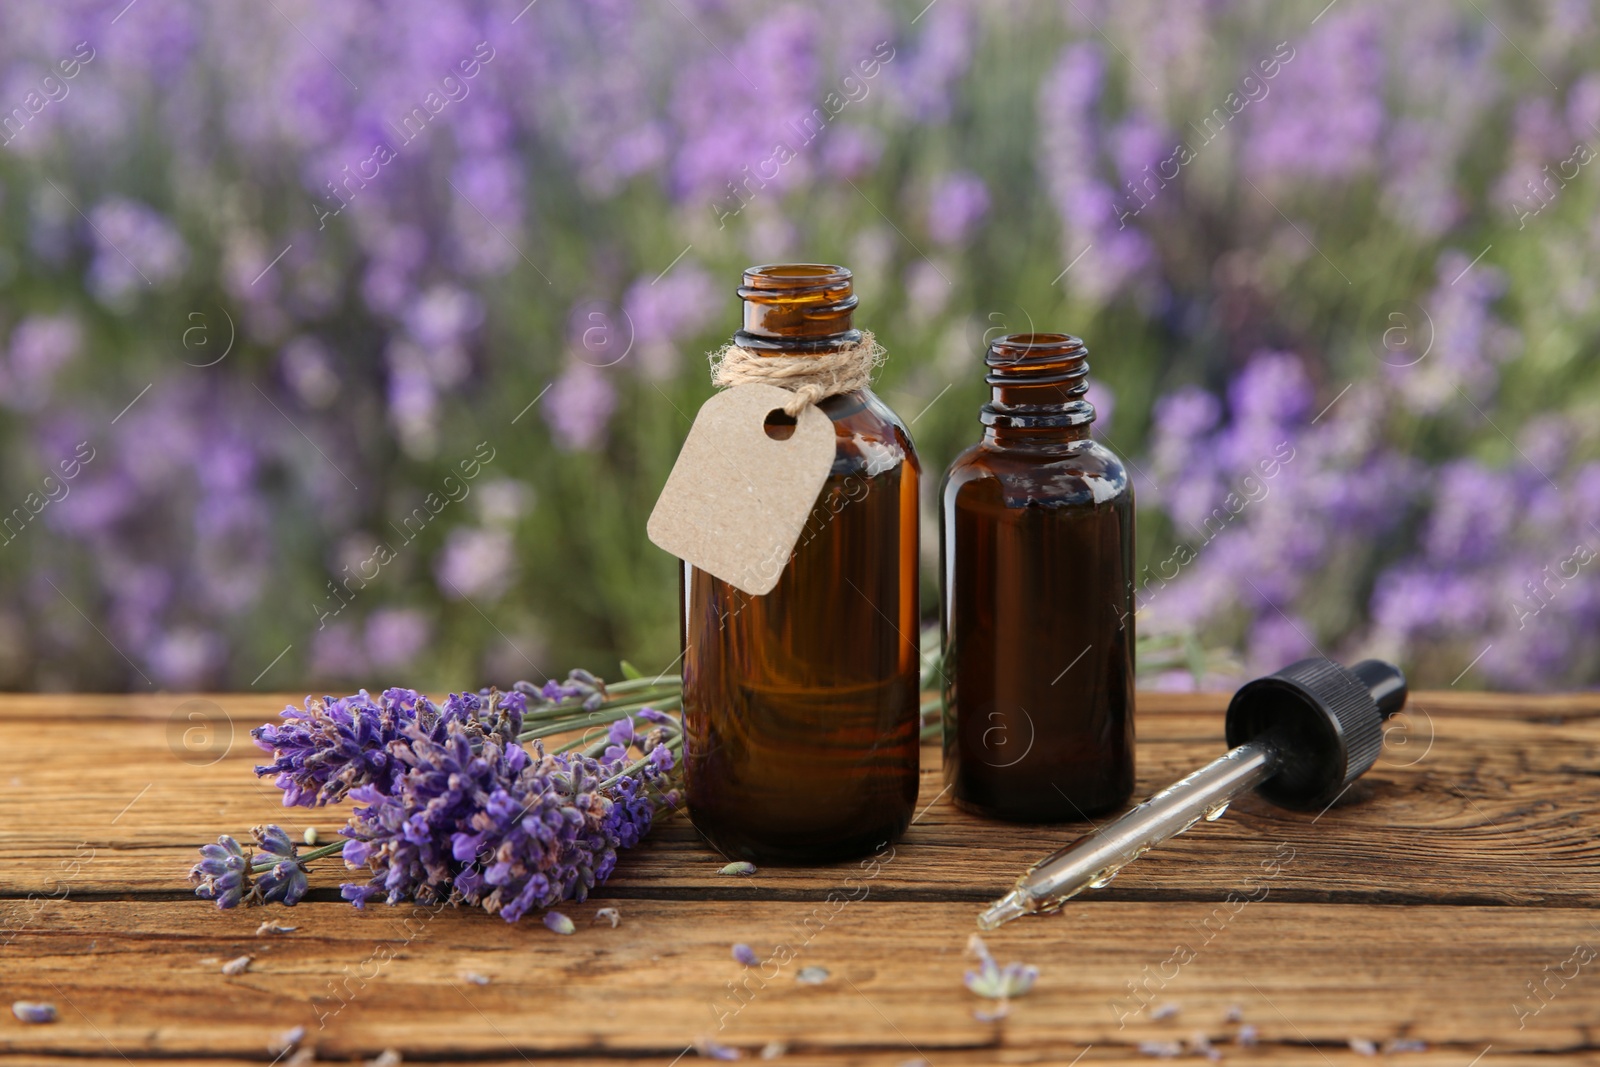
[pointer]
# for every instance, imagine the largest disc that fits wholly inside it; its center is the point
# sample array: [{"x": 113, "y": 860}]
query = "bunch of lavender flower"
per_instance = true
[
  {"x": 495, "y": 827},
  {"x": 455, "y": 808},
  {"x": 331, "y": 746}
]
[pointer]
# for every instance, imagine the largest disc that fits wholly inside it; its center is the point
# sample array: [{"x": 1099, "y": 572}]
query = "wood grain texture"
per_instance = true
[
  {"x": 144, "y": 977},
  {"x": 1464, "y": 867}
]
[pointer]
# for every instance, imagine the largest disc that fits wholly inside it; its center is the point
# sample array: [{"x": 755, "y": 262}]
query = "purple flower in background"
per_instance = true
[
  {"x": 1093, "y": 223},
  {"x": 413, "y": 400},
  {"x": 1325, "y": 114},
  {"x": 1468, "y": 340},
  {"x": 1473, "y": 512},
  {"x": 486, "y": 218},
  {"x": 578, "y": 407},
  {"x": 443, "y": 315},
  {"x": 851, "y": 152},
  {"x": 1105, "y": 406},
  {"x": 1583, "y": 108},
  {"x": 476, "y": 562},
  {"x": 1183, "y": 416},
  {"x": 396, "y": 636},
  {"x": 135, "y": 248},
  {"x": 309, "y": 371},
  {"x": 359, "y": 295},
  {"x": 958, "y": 203},
  {"x": 1276, "y": 640},
  {"x": 185, "y": 658},
  {"x": 1138, "y": 145},
  {"x": 337, "y": 651},
  {"x": 666, "y": 310},
  {"x": 1540, "y": 141},
  {"x": 728, "y": 133},
  {"x": 928, "y": 289},
  {"x": 1272, "y": 388},
  {"x": 939, "y": 58},
  {"x": 40, "y": 346}
]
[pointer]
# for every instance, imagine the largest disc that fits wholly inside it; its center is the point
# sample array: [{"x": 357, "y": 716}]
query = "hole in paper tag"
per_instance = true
[{"x": 739, "y": 495}]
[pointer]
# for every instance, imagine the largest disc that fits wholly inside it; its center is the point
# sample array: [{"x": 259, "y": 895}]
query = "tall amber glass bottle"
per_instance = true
[
  {"x": 801, "y": 705},
  {"x": 1036, "y": 544}
]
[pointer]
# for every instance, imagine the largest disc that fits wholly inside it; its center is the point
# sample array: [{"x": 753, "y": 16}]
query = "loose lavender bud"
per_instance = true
[
  {"x": 559, "y": 923},
  {"x": 288, "y": 1040},
  {"x": 1167, "y": 1010},
  {"x": 743, "y": 867},
  {"x": 1162, "y": 1050},
  {"x": 713, "y": 1051},
  {"x": 996, "y": 982},
  {"x": 33, "y": 1011},
  {"x": 746, "y": 955},
  {"x": 811, "y": 975},
  {"x": 612, "y": 914},
  {"x": 1362, "y": 1047},
  {"x": 223, "y": 873},
  {"x": 474, "y": 977},
  {"x": 1002, "y": 983},
  {"x": 1200, "y": 1045},
  {"x": 236, "y": 966}
]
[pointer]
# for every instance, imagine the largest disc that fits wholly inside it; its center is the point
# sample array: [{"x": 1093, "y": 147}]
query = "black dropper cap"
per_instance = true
[{"x": 1325, "y": 720}]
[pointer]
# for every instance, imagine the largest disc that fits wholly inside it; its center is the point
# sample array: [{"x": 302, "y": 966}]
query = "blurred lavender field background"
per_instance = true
[{"x": 350, "y": 343}]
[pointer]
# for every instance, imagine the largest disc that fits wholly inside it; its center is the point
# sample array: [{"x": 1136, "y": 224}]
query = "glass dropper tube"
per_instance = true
[{"x": 1094, "y": 859}]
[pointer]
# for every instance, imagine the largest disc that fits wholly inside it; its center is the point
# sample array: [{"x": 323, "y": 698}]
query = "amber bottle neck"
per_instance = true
[
  {"x": 1037, "y": 382},
  {"x": 794, "y": 308}
]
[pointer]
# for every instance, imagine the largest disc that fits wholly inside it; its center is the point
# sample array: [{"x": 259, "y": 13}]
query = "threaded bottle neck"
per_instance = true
[
  {"x": 1037, "y": 382},
  {"x": 797, "y": 307}
]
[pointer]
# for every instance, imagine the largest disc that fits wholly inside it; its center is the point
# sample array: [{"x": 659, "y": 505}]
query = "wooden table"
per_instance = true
[{"x": 1460, "y": 875}]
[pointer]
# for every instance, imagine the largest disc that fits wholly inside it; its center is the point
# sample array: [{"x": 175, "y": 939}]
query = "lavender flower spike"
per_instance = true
[
  {"x": 223, "y": 873},
  {"x": 333, "y": 746},
  {"x": 285, "y": 880}
]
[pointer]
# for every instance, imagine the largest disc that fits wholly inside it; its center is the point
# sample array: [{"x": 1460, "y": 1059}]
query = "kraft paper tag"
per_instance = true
[{"x": 736, "y": 500}]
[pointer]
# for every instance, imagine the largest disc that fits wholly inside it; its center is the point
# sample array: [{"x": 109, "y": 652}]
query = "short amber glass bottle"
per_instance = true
[
  {"x": 801, "y": 705},
  {"x": 1036, "y": 546}
]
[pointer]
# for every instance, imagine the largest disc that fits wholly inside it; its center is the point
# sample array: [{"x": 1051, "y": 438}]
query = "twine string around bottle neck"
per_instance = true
[{"x": 809, "y": 377}]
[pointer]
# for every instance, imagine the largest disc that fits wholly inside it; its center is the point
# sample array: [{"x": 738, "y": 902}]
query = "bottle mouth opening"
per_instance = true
[
  {"x": 795, "y": 277},
  {"x": 1014, "y": 348}
]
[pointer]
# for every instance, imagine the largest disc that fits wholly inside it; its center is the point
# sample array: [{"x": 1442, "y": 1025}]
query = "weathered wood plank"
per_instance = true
[
  {"x": 1462, "y": 808},
  {"x": 142, "y": 978}
]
